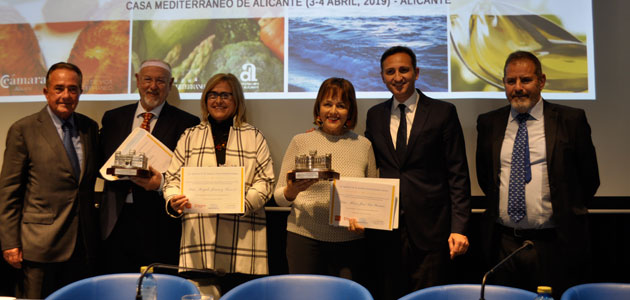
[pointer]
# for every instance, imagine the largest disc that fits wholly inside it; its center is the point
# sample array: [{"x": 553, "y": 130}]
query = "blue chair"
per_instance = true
[
  {"x": 123, "y": 286},
  {"x": 469, "y": 291},
  {"x": 303, "y": 287},
  {"x": 590, "y": 291}
]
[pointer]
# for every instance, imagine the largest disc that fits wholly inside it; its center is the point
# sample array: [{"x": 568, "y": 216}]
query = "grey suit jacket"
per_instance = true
[{"x": 41, "y": 203}]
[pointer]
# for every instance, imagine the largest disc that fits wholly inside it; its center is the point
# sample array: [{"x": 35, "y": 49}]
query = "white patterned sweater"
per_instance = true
[
  {"x": 232, "y": 243},
  {"x": 352, "y": 156}
]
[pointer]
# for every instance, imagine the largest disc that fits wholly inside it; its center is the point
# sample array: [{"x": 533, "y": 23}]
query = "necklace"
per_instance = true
[
  {"x": 219, "y": 147},
  {"x": 219, "y": 143}
]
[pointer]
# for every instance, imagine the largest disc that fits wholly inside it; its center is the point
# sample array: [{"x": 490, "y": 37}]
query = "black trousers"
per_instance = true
[
  {"x": 140, "y": 238},
  {"x": 548, "y": 263},
  {"x": 399, "y": 267},
  {"x": 342, "y": 259}
]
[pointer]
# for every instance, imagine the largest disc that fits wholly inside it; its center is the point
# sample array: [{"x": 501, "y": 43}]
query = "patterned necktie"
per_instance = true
[
  {"x": 401, "y": 136},
  {"x": 72, "y": 153},
  {"x": 520, "y": 173},
  {"x": 146, "y": 123}
]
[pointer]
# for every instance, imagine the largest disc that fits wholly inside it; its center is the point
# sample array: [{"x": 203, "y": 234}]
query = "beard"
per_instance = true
[{"x": 523, "y": 103}]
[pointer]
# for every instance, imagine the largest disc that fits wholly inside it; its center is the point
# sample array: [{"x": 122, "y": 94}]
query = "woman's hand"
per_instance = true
[
  {"x": 179, "y": 202},
  {"x": 354, "y": 226},
  {"x": 294, "y": 187}
]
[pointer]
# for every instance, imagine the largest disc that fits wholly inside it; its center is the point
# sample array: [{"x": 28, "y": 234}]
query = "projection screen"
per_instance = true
[{"x": 283, "y": 49}]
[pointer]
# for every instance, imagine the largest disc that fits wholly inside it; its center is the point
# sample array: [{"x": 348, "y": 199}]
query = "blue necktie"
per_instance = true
[
  {"x": 401, "y": 136},
  {"x": 520, "y": 173},
  {"x": 72, "y": 153}
]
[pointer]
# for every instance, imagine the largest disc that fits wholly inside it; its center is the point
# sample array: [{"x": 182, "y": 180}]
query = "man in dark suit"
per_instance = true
[
  {"x": 536, "y": 165},
  {"x": 49, "y": 222},
  {"x": 425, "y": 150},
  {"x": 135, "y": 227}
]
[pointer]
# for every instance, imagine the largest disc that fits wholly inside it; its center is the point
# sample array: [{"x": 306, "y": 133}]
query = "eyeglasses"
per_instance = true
[{"x": 223, "y": 95}]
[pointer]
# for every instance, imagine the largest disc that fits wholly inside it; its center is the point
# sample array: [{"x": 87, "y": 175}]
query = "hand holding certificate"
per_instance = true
[
  {"x": 216, "y": 190},
  {"x": 373, "y": 202},
  {"x": 140, "y": 141}
]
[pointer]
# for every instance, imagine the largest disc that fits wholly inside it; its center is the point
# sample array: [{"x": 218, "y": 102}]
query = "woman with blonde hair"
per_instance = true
[{"x": 236, "y": 244}]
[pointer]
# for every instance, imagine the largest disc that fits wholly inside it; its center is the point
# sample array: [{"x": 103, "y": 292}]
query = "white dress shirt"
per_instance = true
[
  {"x": 537, "y": 195},
  {"x": 76, "y": 139},
  {"x": 410, "y": 113},
  {"x": 137, "y": 122}
]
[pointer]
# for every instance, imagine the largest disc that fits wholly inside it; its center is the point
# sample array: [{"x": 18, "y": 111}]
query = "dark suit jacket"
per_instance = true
[
  {"x": 434, "y": 182},
  {"x": 116, "y": 126},
  {"x": 42, "y": 204},
  {"x": 571, "y": 166}
]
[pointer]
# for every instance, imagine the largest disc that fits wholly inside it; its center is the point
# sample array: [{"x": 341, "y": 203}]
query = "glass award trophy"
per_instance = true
[
  {"x": 130, "y": 164},
  {"x": 313, "y": 166}
]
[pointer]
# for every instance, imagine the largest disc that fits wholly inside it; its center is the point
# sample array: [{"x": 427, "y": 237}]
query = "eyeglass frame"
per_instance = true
[{"x": 212, "y": 95}]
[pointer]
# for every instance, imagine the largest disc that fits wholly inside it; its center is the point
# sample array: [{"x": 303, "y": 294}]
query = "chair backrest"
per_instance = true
[
  {"x": 303, "y": 287},
  {"x": 123, "y": 286},
  {"x": 470, "y": 291},
  {"x": 590, "y": 291}
]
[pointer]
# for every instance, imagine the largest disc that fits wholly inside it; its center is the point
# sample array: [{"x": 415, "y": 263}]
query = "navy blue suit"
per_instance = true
[
  {"x": 434, "y": 179},
  {"x": 573, "y": 180}
]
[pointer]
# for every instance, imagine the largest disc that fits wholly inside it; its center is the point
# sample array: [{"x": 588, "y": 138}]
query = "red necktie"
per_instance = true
[{"x": 146, "y": 123}]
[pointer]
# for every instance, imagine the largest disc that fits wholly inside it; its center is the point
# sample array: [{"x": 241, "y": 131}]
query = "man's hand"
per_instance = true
[
  {"x": 13, "y": 257},
  {"x": 458, "y": 244},
  {"x": 151, "y": 183}
]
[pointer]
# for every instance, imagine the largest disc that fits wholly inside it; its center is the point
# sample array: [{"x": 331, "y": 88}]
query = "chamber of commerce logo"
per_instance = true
[
  {"x": 248, "y": 78},
  {"x": 21, "y": 84},
  {"x": 4, "y": 82}
]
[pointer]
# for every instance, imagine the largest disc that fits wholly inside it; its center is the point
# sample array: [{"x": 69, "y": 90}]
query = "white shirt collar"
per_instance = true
[
  {"x": 156, "y": 111},
  {"x": 410, "y": 103},
  {"x": 57, "y": 120}
]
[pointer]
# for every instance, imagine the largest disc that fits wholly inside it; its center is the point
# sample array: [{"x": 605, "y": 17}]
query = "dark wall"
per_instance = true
[{"x": 610, "y": 236}]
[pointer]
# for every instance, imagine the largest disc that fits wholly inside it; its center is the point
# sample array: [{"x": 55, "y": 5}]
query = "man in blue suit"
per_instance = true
[{"x": 420, "y": 141}]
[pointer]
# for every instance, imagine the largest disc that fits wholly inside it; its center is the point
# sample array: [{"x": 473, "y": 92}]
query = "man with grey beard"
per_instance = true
[
  {"x": 134, "y": 224},
  {"x": 537, "y": 166}
]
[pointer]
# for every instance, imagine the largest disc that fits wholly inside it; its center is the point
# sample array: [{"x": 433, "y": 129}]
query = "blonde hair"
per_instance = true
[{"x": 237, "y": 96}]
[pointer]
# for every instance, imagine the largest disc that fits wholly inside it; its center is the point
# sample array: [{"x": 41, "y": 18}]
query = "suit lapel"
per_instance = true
[
  {"x": 162, "y": 127},
  {"x": 82, "y": 128},
  {"x": 385, "y": 123},
  {"x": 422, "y": 112},
  {"x": 51, "y": 136},
  {"x": 550, "y": 116},
  {"x": 498, "y": 133},
  {"x": 126, "y": 121}
]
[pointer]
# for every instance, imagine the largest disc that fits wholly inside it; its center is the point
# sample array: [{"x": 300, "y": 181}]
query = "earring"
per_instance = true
[{"x": 319, "y": 121}]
